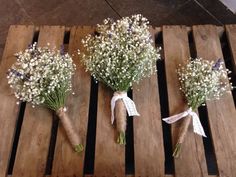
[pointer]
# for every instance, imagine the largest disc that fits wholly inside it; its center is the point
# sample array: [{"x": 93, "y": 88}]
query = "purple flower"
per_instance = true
[
  {"x": 62, "y": 50},
  {"x": 15, "y": 72},
  {"x": 217, "y": 64},
  {"x": 29, "y": 46}
]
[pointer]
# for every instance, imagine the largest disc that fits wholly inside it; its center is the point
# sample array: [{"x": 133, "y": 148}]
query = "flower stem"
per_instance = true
[
  {"x": 177, "y": 150},
  {"x": 183, "y": 131},
  {"x": 79, "y": 148},
  {"x": 70, "y": 130},
  {"x": 120, "y": 114},
  {"x": 121, "y": 138}
]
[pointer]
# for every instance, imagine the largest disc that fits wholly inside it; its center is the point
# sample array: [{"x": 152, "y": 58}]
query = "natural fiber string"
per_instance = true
[{"x": 69, "y": 129}]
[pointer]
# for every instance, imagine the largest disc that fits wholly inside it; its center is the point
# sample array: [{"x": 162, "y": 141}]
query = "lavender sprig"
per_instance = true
[
  {"x": 203, "y": 80},
  {"x": 41, "y": 76},
  {"x": 121, "y": 52}
]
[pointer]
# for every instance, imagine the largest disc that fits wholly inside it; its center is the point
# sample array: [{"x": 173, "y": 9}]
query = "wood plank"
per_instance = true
[
  {"x": 18, "y": 38},
  {"x": 66, "y": 161},
  {"x": 35, "y": 135},
  {"x": 148, "y": 137},
  {"x": 173, "y": 175},
  {"x": 191, "y": 161},
  {"x": 221, "y": 113},
  {"x": 98, "y": 176},
  {"x": 109, "y": 156},
  {"x": 231, "y": 35}
]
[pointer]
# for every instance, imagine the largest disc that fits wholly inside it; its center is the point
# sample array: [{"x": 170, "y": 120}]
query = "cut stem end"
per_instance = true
[
  {"x": 177, "y": 150},
  {"x": 79, "y": 148},
  {"x": 121, "y": 138}
]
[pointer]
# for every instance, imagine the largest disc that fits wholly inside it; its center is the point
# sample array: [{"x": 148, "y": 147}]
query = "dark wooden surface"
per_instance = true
[
  {"x": 222, "y": 123},
  {"x": 90, "y": 12},
  {"x": 36, "y": 127},
  {"x": 27, "y": 146},
  {"x": 176, "y": 50},
  {"x": 78, "y": 109},
  {"x": 9, "y": 114},
  {"x": 148, "y": 135}
]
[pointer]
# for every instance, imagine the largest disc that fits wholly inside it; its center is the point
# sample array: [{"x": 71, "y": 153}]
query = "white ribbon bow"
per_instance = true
[
  {"x": 197, "y": 126},
  {"x": 129, "y": 104}
]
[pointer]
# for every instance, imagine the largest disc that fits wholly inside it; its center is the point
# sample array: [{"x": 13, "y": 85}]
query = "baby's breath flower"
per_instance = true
[
  {"x": 120, "y": 52},
  {"x": 41, "y": 76},
  {"x": 203, "y": 80}
]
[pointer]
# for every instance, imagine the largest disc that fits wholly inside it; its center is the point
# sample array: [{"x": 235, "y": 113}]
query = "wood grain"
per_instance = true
[
  {"x": 231, "y": 36},
  {"x": 148, "y": 137},
  {"x": 66, "y": 161},
  {"x": 221, "y": 113},
  {"x": 176, "y": 51},
  {"x": 109, "y": 156},
  {"x": 35, "y": 135},
  {"x": 19, "y": 37}
]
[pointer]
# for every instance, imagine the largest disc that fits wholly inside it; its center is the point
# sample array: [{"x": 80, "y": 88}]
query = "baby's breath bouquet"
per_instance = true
[
  {"x": 43, "y": 77},
  {"x": 119, "y": 54},
  {"x": 200, "y": 80}
]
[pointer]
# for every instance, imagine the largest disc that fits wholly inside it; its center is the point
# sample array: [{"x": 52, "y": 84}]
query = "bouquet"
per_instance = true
[
  {"x": 43, "y": 77},
  {"x": 119, "y": 54},
  {"x": 200, "y": 80}
]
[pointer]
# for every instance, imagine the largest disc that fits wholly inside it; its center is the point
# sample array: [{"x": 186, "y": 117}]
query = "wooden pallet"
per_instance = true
[{"x": 31, "y": 144}]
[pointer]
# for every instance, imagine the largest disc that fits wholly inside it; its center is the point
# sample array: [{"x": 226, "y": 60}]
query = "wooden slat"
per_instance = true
[
  {"x": 148, "y": 137},
  {"x": 221, "y": 113},
  {"x": 206, "y": 176},
  {"x": 66, "y": 161},
  {"x": 18, "y": 38},
  {"x": 109, "y": 156},
  {"x": 176, "y": 51},
  {"x": 112, "y": 176},
  {"x": 35, "y": 135},
  {"x": 231, "y": 35}
]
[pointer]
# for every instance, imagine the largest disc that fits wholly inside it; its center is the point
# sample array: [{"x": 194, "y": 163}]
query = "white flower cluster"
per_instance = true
[
  {"x": 41, "y": 75},
  {"x": 203, "y": 80},
  {"x": 120, "y": 52}
]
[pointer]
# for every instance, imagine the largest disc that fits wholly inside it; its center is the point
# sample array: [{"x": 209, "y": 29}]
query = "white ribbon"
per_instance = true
[
  {"x": 197, "y": 126},
  {"x": 129, "y": 104}
]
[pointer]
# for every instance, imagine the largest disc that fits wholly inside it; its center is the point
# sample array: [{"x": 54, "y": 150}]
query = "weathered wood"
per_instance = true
[
  {"x": 33, "y": 146},
  {"x": 231, "y": 35},
  {"x": 220, "y": 30},
  {"x": 109, "y": 156},
  {"x": 206, "y": 176},
  {"x": 18, "y": 38},
  {"x": 34, "y": 140},
  {"x": 148, "y": 137},
  {"x": 221, "y": 113},
  {"x": 99, "y": 176},
  {"x": 176, "y": 51},
  {"x": 66, "y": 161}
]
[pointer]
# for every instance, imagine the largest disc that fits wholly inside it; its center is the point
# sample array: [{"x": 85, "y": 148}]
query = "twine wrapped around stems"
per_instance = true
[
  {"x": 120, "y": 103},
  {"x": 70, "y": 130},
  {"x": 120, "y": 114},
  {"x": 183, "y": 131},
  {"x": 197, "y": 127}
]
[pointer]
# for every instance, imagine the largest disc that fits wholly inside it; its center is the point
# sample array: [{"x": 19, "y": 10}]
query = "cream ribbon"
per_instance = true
[
  {"x": 129, "y": 104},
  {"x": 197, "y": 126}
]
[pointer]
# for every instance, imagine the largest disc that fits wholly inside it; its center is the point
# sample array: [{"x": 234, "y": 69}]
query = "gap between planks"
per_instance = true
[
  {"x": 189, "y": 29},
  {"x": 222, "y": 123},
  {"x": 177, "y": 51},
  {"x": 7, "y": 126},
  {"x": 128, "y": 176}
]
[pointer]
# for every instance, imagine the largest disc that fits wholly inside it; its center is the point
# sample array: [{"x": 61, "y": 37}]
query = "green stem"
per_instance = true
[
  {"x": 177, "y": 150},
  {"x": 79, "y": 148},
  {"x": 121, "y": 138}
]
